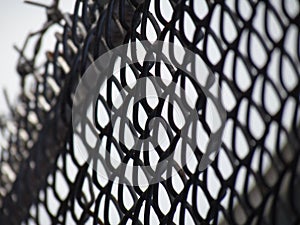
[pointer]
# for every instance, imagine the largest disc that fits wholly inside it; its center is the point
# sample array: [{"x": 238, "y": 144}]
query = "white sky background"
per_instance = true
[{"x": 16, "y": 21}]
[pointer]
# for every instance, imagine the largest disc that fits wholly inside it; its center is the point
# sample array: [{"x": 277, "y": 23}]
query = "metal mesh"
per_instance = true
[{"x": 253, "y": 49}]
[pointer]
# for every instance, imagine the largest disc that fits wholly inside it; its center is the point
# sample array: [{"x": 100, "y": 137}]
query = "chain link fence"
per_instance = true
[{"x": 252, "y": 49}]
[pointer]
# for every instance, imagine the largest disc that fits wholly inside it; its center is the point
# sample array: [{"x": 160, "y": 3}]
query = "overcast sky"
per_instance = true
[{"x": 17, "y": 19}]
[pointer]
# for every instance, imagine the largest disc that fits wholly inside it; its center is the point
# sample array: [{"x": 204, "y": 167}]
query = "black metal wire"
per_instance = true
[{"x": 40, "y": 152}]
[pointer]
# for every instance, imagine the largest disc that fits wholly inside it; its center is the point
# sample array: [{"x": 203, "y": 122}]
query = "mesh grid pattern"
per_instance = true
[{"x": 253, "y": 49}]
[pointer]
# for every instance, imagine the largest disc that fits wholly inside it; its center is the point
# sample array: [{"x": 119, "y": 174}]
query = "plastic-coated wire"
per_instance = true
[{"x": 41, "y": 177}]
